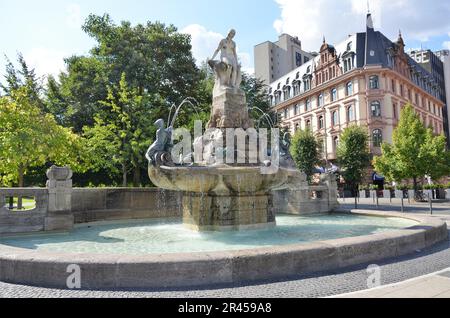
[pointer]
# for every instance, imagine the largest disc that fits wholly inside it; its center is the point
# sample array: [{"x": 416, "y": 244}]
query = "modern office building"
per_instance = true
[
  {"x": 275, "y": 59},
  {"x": 434, "y": 64},
  {"x": 364, "y": 80},
  {"x": 444, "y": 55}
]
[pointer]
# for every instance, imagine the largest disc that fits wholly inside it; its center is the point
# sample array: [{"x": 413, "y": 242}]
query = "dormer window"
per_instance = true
[{"x": 349, "y": 46}]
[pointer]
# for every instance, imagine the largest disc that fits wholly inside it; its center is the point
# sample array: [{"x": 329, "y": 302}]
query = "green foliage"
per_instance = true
[
  {"x": 30, "y": 138},
  {"x": 258, "y": 101},
  {"x": 122, "y": 132},
  {"x": 305, "y": 151},
  {"x": 415, "y": 152},
  {"x": 353, "y": 154}
]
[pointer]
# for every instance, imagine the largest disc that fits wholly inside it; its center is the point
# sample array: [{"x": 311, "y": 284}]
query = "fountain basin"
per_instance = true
[
  {"x": 222, "y": 198},
  {"x": 25, "y": 266}
]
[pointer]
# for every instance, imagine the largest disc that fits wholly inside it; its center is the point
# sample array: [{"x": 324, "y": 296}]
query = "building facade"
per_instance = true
[
  {"x": 444, "y": 55},
  {"x": 365, "y": 80},
  {"x": 434, "y": 64},
  {"x": 275, "y": 59}
]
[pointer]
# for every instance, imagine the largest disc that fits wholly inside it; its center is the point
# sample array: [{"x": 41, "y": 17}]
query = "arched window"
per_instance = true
[
  {"x": 296, "y": 109},
  {"x": 308, "y": 124},
  {"x": 297, "y": 126},
  {"x": 320, "y": 100},
  {"x": 375, "y": 107},
  {"x": 374, "y": 82},
  {"x": 377, "y": 137},
  {"x": 334, "y": 95},
  {"x": 349, "y": 46},
  {"x": 335, "y": 118},
  {"x": 335, "y": 143},
  {"x": 321, "y": 122},
  {"x": 349, "y": 89},
  {"x": 308, "y": 105},
  {"x": 350, "y": 114}
]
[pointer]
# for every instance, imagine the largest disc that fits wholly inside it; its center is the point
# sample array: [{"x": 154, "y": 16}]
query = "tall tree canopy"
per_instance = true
[
  {"x": 414, "y": 153},
  {"x": 155, "y": 58},
  {"x": 29, "y": 138}
]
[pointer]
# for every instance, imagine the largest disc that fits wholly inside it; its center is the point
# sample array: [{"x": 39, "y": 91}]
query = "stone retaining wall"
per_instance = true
[{"x": 91, "y": 205}]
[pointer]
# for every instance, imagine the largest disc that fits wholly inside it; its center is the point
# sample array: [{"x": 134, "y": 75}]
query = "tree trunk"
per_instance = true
[
  {"x": 19, "y": 199},
  {"x": 356, "y": 196},
  {"x": 137, "y": 177},
  {"x": 124, "y": 176}
]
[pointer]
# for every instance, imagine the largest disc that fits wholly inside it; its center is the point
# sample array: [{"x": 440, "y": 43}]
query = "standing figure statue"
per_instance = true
[
  {"x": 159, "y": 151},
  {"x": 228, "y": 70}
]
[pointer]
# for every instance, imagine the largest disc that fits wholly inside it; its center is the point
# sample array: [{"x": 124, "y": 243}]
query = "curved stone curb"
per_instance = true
[{"x": 22, "y": 266}]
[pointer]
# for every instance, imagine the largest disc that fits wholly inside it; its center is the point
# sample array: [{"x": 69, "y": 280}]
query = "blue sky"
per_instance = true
[{"x": 46, "y": 31}]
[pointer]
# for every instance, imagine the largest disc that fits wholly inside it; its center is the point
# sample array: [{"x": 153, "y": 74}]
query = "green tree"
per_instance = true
[
  {"x": 155, "y": 58},
  {"x": 414, "y": 153},
  {"x": 353, "y": 155},
  {"x": 258, "y": 101},
  {"x": 305, "y": 151},
  {"x": 29, "y": 138},
  {"x": 122, "y": 134}
]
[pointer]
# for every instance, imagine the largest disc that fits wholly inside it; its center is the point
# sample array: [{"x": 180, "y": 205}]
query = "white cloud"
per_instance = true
[
  {"x": 205, "y": 42},
  {"x": 73, "y": 18},
  {"x": 311, "y": 20},
  {"x": 46, "y": 61}
]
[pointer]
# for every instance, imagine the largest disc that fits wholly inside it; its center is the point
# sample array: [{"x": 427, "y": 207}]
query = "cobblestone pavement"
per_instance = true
[{"x": 323, "y": 284}]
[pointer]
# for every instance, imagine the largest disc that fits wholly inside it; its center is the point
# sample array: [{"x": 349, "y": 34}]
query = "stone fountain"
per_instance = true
[{"x": 223, "y": 196}]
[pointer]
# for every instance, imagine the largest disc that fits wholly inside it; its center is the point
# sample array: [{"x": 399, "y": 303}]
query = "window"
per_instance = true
[
  {"x": 393, "y": 86},
  {"x": 298, "y": 59},
  {"x": 349, "y": 46},
  {"x": 394, "y": 110},
  {"x": 375, "y": 107},
  {"x": 321, "y": 122},
  {"x": 349, "y": 89},
  {"x": 320, "y": 100},
  {"x": 296, "y": 109},
  {"x": 335, "y": 118},
  {"x": 308, "y": 105},
  {"x": 350, "y": 114},
  {"x": 297, "y": 127},
  {"x": 334, "y": 95},
  {"x": 308, "y": 124},
  {"x": 374, "y": 82},
  {"x": 377, "y": 138},
  {"x": 401, "y": 90},
  {"x": 335, "y": 143},
  {"x": 286, "y": 113}
]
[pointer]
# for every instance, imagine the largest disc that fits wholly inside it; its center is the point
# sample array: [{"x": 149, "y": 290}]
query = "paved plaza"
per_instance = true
[{"x": 354, "y": 279}]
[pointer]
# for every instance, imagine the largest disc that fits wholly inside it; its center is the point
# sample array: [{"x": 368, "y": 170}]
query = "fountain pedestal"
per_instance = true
[
  {"x": 229, "y": 110},
  {"x": 232, "y": 212}
]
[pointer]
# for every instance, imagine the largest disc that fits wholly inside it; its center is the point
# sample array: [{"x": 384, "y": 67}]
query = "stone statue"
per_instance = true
[
  {"x": 159, "y": 152},
  {"x": 229, "y": 108},
  {"x": 227, "y": 70}
]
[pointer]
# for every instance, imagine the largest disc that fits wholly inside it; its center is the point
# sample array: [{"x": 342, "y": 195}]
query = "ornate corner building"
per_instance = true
[{"x": 365, "y": 80}]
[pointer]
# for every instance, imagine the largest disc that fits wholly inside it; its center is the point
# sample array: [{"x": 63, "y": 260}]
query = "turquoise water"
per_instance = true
[{"x": 150, "y": 237}]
